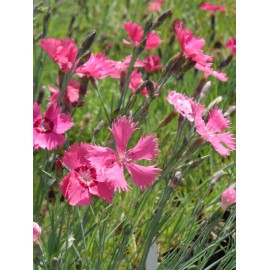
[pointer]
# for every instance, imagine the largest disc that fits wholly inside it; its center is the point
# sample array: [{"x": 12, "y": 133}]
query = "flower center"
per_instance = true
[
  {"x": 44, "y": 125},
  {"x": 87, "y": 175}
]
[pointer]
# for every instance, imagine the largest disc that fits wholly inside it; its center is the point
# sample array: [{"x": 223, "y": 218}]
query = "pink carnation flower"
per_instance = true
[
  {"x": 121, "y": 66},
  {"x": 152, "y": 63},
  {"x": 36, "y": 231},
  {"x": 112, "y": 163},
  {"x": 83, "y": 179},
  {"x": 192, "y": 49},
  {"x": 182, "y": 104},
  {"x": 231, "y": 45},
  {"x": 155, "y": 5},
  {"x": 96, "y": 66},
  {"x": 49, "y": 129},
  {"x": 72, "y": 93},
  {"x": 216, "y": 123},
  {"x": 213, "y": 8},
  {"x": 228, "y": 198},
  {"x": 62, "y": 51},
  {"x": 135, "y": 32}
]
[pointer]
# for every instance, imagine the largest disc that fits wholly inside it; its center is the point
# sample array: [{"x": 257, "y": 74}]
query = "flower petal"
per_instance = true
[
  {"x": 48, "y": 140},
  {"x": 217, "y": 122}
]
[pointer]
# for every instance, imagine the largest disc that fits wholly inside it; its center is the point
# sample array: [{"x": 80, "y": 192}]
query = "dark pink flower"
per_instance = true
[
  {"x": 135, "y": 32},
  {"x": 182, "y": 104},
  {"x": 36, "y": 231},
  {"x": 231, "y": 45},
  {"x": 228, "y": 198},
  {"x": 83, "y": 179},
  {"x": 49, "y": 129},
  {"x": 155, "y": 5},
  {"x": 211, "y": 131},
  {"x": 121, "y": 66},
  {"x": 72, "y": 93},
  {"x": 112, "y": 163},
  {"x": 96, "y": 66},
  {"x": 213, "y": 8},
  {"x": 152, "y": 63},
  {"x": 62, "y": 51}
]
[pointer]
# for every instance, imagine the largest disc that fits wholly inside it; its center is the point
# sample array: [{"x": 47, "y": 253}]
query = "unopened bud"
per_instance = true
[
  {"x": 230, "y": 111},
  {"x": 54, "y": 263},
  {"x": 214, "y": 103},
  {"x": 86, "y": 120},
  {"x": 150, "y": 87},
  {"x": 205, "y": 89},
  {"x": 41, "y": 94},
  {"x": 98, "y": 127},
  {"x": 217, "y": 175},
  {"x": 228, "y": 198},
  {"x": 128, "y": 229},
  {"x": 84, "y": 59},
  {"x": 165, "y": 15},
  {"x": 87, "y": 43},
  {"x": 123, "y": 76},
  {"x": 148, "y": 25},
  {"x": 83, "y": 86},
  {"x": 94, "y": 82},
  {"x": 174, "y": 64}
]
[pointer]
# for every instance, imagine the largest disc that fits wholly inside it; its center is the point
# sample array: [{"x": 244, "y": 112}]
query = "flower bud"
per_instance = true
[
  {"x": 217, "y": 175},
  {"x": 230, "y": 111},
  {"x": 150, "y": 87},
  {"x": 228, "y": 198},
  {"x": 36, "y": 231},
  {"x": 214, "y": 103},
  {"x": 87, "y": 43},
  {"x": 174, "y": 64},
  {"x": 205, "y": 89},
  {"x": 166, "y": 14}
]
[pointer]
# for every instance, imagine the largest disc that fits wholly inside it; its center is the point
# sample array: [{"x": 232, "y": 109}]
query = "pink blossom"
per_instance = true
[
  {"x": 83, "y": 179},
  {"x": 231, "y": 45},
  {"x": 36, "y": 231},
  {"x": 228, "y": 198},
  {"x": 62, "y": 51},
  {"x": 112, "y": 163},
  {"x": 152, "y": 63},
  {"x": 72, "y": 93},
  {"x": 155, "y": 5},
  {"x": 216, "y": 123},
  {"x": 213, "y": 8},
  {"x": 135, "y": 32},
  {"x": 49, "y": 129},
  {"x": 121, "y": 66},
  {"x": 182, "y": 104},
  {"x": 209, "y": 71},
  {"x": 96, "y": 66}
]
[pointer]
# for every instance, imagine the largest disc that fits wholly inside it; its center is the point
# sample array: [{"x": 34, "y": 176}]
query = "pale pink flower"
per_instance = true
[
  {"x": 209, "y": 71},
  {"x": 135, "y": 32},
  {"x": 210, "y": 130},
  {"x": 112, "y": 163},
  {"x": 36, "y": 231},
  {"x": 96, "y": 66},
  {"x": 182, "y": 104},
  {"x": 121, "y": 66},
  {"x": 231, "y": 45},
  {"x": 62, "y": 51},
  {"x": 228, "y": 198},
  {"x": 155, "y": 5},
  {"x": 152, "y": 63},
  {"x": 83, "y": 179},
  {"x": 49, "y": 129},
  {"x": 213, "y": 8},
  {"x": 72, "y": 93}
]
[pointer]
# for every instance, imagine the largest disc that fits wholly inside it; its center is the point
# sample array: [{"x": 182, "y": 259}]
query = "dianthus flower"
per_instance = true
[
  {"x": 112, "y": 163},
  {"x": 96, "y": 66},
  {"x": 72, "y": 93},
  {"x": 213, "y": 8},
  {"x": 231, "y": 45},
  {"x": 49, "y": 129},
  {"x": 228, "y": 198},
  {"x": 83, "y": 179},
  {"x": 155, "y": 5},
  {"x": 192, "y": 49},
  {"x": 135, "y": 32},
  {"x": 152, "y": 63},
  {"x": 62, "y": 51},
  {"x": 209, "y": 131},
  {"x": 36, "y": 231},
  {"x": 182, "y": 104}
]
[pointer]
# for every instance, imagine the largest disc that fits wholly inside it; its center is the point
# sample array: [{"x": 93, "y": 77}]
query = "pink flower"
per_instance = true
[
  {"x": 36, "y": 231},
  {"x": 135, "y": 32},
  {"x": 192, "y": 49},
  {"x": 118, "y": 67},
  {"x": 152, "y": 62},
  {"x": 216, "y": 123},
  {"x": 62, "y": 51},
  {"x": 228, "y": 198},
  {"x": 112, "y": 163},
  {"x": 48, "y": 129},
  {"x": 231, "y": 45},
  {"x": 155, "y": 5},
  {"x": 182, "y": 104},
  {"x": 83, "y": 179},
  {"x": 212, "y": 8},
  {"x": 72, "y": 93},
  {"x": 96, "y": 66}
]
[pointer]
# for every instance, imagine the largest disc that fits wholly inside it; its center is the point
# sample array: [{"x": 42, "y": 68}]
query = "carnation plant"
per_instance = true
[{"x": 134, "y": 135}]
